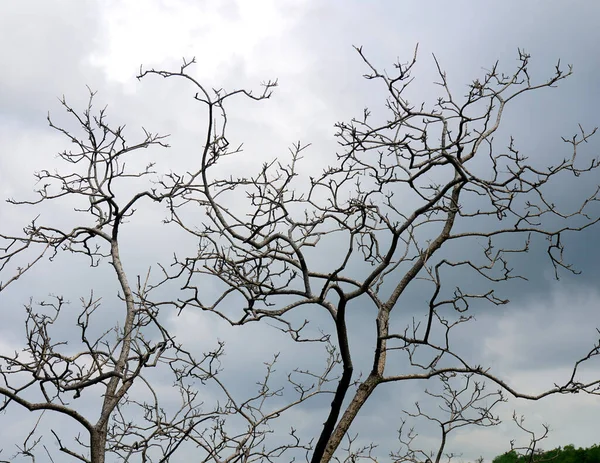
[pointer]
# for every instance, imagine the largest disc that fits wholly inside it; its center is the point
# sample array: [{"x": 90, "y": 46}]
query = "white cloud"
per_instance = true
[{"x": 222, "y": 35}]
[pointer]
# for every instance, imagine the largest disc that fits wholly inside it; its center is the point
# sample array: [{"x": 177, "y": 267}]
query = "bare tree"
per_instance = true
[
  {"x": 48, "y": 375},
  {"x": 407, "y": 186}
]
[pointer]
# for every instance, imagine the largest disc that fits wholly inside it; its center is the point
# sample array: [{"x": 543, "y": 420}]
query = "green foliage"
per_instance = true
[
  {"x": 566, "y": 454},
  {"x": 508, "y": 457}
]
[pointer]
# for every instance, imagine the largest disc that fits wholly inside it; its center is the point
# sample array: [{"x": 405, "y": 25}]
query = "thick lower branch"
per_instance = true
[
  {"x": 31, "y": 406},
  {"x": 328, "y": 443},
  {"x": 359, "y": 399},
  {"x": 334, "y": 413},
  {"x": 343, "y": 385}
]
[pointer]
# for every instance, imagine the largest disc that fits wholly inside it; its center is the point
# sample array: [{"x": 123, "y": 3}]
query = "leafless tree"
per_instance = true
[
  {"x": 48, "y": 375},
  {"x": 463, "y": 405},
  {"x": 407, "y": 186}
]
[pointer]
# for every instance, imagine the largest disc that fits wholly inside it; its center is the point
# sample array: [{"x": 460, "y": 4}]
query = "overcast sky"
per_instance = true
[{"x": 55, "y": 48}]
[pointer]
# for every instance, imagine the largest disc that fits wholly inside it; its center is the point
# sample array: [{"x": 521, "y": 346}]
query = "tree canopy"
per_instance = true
[{"x": 566, "y": 454}]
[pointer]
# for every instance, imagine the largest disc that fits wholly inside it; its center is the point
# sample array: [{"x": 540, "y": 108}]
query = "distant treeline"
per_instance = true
[{"x": 566, "y": 454}]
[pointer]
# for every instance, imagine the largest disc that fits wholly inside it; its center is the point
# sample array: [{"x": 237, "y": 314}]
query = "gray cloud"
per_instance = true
[{"x": 57, "y": 48}]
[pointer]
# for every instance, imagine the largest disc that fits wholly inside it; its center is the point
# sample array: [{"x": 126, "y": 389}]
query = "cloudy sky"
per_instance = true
[{"x": 51, "y": 49}]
